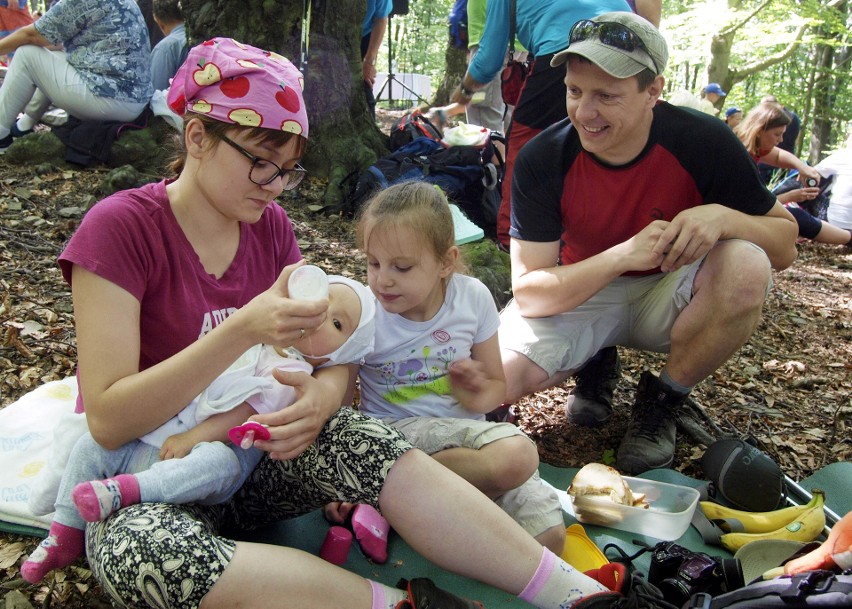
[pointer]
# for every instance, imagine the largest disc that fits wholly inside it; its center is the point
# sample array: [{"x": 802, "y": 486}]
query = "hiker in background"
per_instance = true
[
  {"x": 373, "y": 30},
  {"x": 761, "y": 132},
  {"x": 168, "y": 54},
  {"x": 713, "y": 93},
  {"x": 788, "y": 142},
  {"x": 172, "y": 282},
  {"x": 92, "y": 79},
  {"x": 674, "y": 255},
  {"x": 541, "y": 28},
  {"x": 839, "y": 165},
  {"x": 435, "y": 371},
  {"x": 733, "y": 116},
  {"x": 14, "y": 14}
]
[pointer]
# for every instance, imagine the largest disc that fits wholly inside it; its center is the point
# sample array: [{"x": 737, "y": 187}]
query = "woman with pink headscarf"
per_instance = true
[{"x": 171, "y": 283}]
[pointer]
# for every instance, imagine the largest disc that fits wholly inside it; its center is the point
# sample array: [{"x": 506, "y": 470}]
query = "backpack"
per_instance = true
[
  {"x": 458, "y": 24},
  {"x": 409, "y": 127},
  {"x": 809, "y": 589},
  {"x": 466, "y": 174}
]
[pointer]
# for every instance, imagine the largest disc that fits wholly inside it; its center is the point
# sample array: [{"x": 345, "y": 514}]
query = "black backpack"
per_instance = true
[
  {"x": 411, "y": 126},
  {"x": 809, "y": 589},
  {"x": 466, "y": 174}
]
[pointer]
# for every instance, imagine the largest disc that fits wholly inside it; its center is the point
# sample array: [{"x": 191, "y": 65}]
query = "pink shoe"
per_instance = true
[
  {"x": 245, "y": 434},
  {"x": 371, "y": 530}
]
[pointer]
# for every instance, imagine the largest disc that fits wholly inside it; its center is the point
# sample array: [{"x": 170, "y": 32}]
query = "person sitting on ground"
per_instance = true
[
  {"x": 674, "y": 255},
  {"x": 168, "y": 54},
  {"x": 93, "y": 79},
  {"x": 761, "y": 132},
  {"x": 171, "y": 283},
  {"x": 733, "y": 116},
  {"x": 188, "y": 459},
  {"x": 435, "y": 371},
  {"x": 839, "y": 165}
]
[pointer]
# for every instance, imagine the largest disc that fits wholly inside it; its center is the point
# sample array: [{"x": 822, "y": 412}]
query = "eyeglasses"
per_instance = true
[
  {"x": 264, "y": 172},
  {"x": 611, "y": 34}
]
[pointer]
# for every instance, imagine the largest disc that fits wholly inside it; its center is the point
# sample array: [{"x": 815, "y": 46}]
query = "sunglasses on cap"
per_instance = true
[
  {"x": 613, "y": 35},
  {"x": 263, "y": 172}
]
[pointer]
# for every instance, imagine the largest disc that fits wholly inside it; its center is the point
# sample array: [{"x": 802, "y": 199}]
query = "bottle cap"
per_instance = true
[{"x": 308, "y": 282}]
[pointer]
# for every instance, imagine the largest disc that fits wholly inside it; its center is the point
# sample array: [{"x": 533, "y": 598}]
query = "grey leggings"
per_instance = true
[{"x": 160, "y": 555}]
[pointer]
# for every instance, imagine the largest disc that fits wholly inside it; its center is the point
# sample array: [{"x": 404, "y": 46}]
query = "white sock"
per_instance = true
[
  {"x": 556, "y": 584},
  {"x": 385, "y": 597},
  {"x": 25, "y": 123}
]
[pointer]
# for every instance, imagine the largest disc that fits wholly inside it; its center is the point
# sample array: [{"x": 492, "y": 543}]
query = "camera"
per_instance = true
[
  {"x": 812, "y": 182},
  {"x": 679, "y": 573}
]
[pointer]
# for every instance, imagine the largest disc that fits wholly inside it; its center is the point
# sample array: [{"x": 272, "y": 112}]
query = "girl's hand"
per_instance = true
[
  {"x": 468, "y": 375},
  {"x": 293, "y": 429}
]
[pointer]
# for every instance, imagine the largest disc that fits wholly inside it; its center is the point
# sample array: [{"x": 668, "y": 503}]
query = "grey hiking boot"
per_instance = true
[
  {"x": 649, "y": 442},
  {"x": 590, "y": 402}
]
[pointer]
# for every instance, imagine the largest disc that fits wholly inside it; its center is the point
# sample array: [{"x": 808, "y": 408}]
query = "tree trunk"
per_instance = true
[
  {"x": 343, "y": 135},
  {"x": 456, "y": 60}
]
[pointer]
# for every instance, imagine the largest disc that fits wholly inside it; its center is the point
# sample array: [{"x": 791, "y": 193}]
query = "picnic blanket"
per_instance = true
[{"x": 38, "y": 429}]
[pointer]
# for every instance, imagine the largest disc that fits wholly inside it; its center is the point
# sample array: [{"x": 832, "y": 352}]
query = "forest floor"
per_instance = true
[{"x": 789, "y": 387}]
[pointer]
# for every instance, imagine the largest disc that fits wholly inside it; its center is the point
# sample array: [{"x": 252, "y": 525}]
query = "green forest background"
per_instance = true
[{"x": 798, "y": 51}]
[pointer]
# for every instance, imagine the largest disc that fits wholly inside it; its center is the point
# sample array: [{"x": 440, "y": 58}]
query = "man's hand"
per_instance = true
[
  {"x": 368, "y": 71},
  {"x": 639, "y": 252},
  {"x": 690, "y": 235}
]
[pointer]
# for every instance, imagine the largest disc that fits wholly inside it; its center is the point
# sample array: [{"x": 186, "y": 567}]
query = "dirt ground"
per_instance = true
[{"x": 789, "y": 387}]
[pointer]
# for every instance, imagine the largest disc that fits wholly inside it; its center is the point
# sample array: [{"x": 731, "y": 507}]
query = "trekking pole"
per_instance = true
[{"x": 306, "y": 39}]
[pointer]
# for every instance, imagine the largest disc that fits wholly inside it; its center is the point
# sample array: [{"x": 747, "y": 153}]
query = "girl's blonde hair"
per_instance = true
[
  {"x": 766, "y": 115},
  {"x": 417, "y": 206},
  {"x": 216, "y": 129}
]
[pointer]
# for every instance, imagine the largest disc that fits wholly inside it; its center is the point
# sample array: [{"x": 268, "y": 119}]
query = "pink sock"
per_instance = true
[
  {"x": 97, "y": 499},
  {"x": 62, "y": 546},
  {"x": 371, "y": 530}
]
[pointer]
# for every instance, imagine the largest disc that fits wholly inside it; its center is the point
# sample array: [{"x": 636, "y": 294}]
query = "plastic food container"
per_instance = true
[{"x": 667, "y": 518}]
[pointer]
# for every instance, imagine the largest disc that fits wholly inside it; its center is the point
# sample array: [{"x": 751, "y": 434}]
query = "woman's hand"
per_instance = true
[
  {"x": 798, "y": 195},
  {"x": 293, "y": 429},
  {"x": 273, "y": 318},
  {"x": 806, "y": 172}
]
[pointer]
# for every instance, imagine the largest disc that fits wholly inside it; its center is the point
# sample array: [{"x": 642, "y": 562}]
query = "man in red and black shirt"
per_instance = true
[{"x": 634, "y": 223}]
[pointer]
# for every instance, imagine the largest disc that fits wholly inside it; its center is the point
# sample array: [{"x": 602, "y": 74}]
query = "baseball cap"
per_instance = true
[
  {"x": 714, "y": 87},
  {"x": 237, "y": 83},
  {"x": 732, "y": 110},
  {"x": 622, "y": 44}
]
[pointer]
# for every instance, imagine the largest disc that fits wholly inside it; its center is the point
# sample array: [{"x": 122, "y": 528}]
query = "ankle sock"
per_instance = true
[
  {"x": 62, "y": 546},
  {"x": 97, "y": 499},
  {"x": 371, "y": 530},
  {"x": 25, "y": 123},
  {"x": 385, "y": 597},
  {"x": 672, "y": 385},
  {"x": 557, "y": 584}
]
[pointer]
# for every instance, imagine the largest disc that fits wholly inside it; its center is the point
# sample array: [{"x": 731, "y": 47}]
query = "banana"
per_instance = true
[
  {"x": 760, "y": 522},
  {"x": 807, "y": 527}
]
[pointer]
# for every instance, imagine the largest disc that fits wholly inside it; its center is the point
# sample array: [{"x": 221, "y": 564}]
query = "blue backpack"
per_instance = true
[
  {"x": 466, "y": 174},
  {"x": 458, "y": 24}
]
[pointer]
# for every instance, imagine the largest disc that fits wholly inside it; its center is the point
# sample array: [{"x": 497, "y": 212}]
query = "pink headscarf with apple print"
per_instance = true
[{"x": 241, "y": 84}]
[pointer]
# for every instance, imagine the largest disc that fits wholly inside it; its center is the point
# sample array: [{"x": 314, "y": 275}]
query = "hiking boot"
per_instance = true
[
  {"x": 649, "y": 442},
  {"x": 5, "y": 143},
  {"x": 590, "y": 402},
  {"x": 424, "y": 594}
]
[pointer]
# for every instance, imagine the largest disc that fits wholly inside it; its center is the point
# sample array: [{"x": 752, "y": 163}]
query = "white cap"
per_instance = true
[{"x": 361, "y": 342}]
